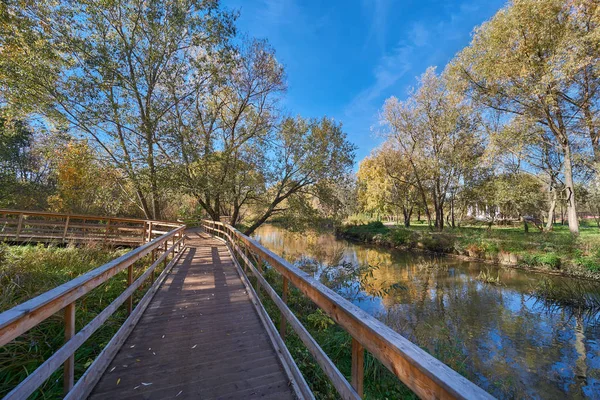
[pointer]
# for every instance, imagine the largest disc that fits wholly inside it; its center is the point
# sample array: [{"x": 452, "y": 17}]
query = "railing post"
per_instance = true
[
  {"x": 64, "y": 238},
  {"x": 282, "y": 320},
  {"x": 149, "y": 231},
  {"x": 19, "y": 226},
  {"x": 166, "y": 256},
  {"x": 358, "y": 365},
  {"x": 153, "y": 257},
  {"x": 129, "y": 282},
  {"x": 107, "y": 231},
  {"x": 144, "y": 233},
  {"x": 69, "y": 366}
]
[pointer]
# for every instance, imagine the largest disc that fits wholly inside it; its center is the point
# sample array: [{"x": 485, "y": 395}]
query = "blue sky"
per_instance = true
[{"x": 344, "y": 58}]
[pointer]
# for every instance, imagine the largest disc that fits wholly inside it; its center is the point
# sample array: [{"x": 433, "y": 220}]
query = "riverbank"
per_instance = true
[{"x": 556, "y": 252}]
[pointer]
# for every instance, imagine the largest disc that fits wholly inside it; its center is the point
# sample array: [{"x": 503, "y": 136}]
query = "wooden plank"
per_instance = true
[
  {"x": 24, "y": 316},
  {"x": 66, "y": 228},
  {"x": 358, "y": 367},
  {"x": 428, "y": 377},
  {"x": 282, "y": 320},
  {"x": 19, "y": 226},
  {"x": 69, "y": 366}
]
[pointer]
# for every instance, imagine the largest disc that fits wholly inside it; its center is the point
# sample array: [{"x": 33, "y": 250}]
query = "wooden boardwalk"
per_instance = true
[{"x": 200, "y": 338}]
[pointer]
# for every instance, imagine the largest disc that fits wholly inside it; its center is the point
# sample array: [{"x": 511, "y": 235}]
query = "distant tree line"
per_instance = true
[{"x": 513, "y": 122}]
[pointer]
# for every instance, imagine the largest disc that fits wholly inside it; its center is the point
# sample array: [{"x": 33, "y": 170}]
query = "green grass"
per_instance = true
[
  {"x": 27, "y": 271},
  {"x": 554, "y": 251}
]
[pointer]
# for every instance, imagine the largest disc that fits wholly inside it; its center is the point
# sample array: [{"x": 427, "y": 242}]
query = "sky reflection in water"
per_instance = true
[{"x": 498, "y": 336}]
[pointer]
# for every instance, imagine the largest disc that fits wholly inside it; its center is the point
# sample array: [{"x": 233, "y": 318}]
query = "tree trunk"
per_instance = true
[
  {"x": 525, "y": 226},
  {"x": 551, "y": 211},
  {"x": 570, "y": 191}
]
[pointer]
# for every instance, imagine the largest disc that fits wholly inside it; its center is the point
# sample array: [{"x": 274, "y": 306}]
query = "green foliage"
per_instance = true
[
  {"x": 319, "y": 320},
  {"x": 545, "y": 260}
]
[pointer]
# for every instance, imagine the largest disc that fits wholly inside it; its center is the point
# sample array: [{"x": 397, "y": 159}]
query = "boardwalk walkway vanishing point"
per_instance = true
[{"x": 200, "y": 338}]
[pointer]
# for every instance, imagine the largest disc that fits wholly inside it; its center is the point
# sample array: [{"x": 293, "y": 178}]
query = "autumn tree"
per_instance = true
[
  {"x": 436, "y": 131},
  {"x": 538, "y": 60}
]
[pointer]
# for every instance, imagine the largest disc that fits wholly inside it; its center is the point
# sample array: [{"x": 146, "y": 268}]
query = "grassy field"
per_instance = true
[
  {"x": 27, "y": 271},
  {"x": 556, "y": 251}
]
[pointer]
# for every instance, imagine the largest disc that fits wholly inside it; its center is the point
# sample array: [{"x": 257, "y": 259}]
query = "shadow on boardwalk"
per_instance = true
[{"x": 200, "y": 338}]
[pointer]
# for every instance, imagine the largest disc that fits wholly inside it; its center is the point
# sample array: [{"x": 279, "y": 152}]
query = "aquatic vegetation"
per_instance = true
[
  {"x": 579, "y": 298},
  {"x": 487, "y": 277},
  {"x": 431, "y": 265}
]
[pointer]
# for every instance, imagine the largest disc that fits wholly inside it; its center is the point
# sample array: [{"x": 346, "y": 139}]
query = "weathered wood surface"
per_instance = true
[
  {"x": 33, "y": 226},
  {"x": 200, "y": 338},
  {"x": 428, "y": 377}
]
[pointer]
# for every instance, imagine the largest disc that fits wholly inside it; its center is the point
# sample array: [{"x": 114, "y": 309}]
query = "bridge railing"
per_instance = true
[
  {"x": 426, "y": 376},
  {"x": 34, "y": 226},
  {"x": 29, "y": 314}
]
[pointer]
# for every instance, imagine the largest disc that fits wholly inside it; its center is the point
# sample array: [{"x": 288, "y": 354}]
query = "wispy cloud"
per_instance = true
[{"x": 377, "y": 11}]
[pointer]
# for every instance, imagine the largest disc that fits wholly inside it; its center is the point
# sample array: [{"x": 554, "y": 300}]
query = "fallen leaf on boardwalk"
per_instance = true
[
  {"x": 154, "y": 353},
  {"x": 163, "y": 336},
  {"x": 194, "y": 346},
  {"x": 136, "y": 387},
  {"x": 137, "y": 360},
  {"x": 181, "y": 391},
  {"x": 146, "y": 384},
  {"x": 118, "y": 381},
  {"x": 132, "y": 346},
  {"x": 113, "y": 368}
]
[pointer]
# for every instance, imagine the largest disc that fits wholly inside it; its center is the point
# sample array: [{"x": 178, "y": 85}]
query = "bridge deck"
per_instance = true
[{"x": 199, "y": 338}]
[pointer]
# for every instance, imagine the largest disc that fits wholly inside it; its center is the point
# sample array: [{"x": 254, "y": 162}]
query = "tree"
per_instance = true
[
  {"x": 124, "y": 65},
  {"x": 222, "y": 136},
  {"x": 25, "y": 178},
  {"x": 385, "y": 184},
  {"x": 305, "y": 155},
  {"x": 539, "y": 60},
  {"x": 436, "y": 131},
  {"x": 85, "y": 186}
]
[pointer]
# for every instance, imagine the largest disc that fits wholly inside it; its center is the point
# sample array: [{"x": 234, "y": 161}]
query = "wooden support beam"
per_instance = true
[
  {"x": 282, "y": 320},
  {"x": 19, "y": 226},
  {"x": 358, "y": 366},
  {"x": 69, "y": 366},
  {"x": 129, "y": 282},
  {"x": 64, "y": 237}
]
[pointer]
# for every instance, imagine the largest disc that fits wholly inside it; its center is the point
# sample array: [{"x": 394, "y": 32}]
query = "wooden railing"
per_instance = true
[
  {"x": 428, "y": 377},
  {"x": 33, "y": 226},
  {"x": 25, "y": 316}
]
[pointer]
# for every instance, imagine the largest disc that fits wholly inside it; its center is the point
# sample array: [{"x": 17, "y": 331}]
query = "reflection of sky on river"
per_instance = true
[{"x": 504, "y": 340}]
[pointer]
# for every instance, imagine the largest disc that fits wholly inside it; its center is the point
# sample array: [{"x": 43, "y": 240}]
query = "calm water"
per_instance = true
[{"x": 499, "y": 336}]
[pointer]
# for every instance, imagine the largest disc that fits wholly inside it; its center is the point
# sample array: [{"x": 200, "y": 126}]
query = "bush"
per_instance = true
[
  {"x": 438, "y": 243},
  {"x": 590, "y": 263},
  {"x": 548, "y": 260},
  {"x": 401, "y": 237}
]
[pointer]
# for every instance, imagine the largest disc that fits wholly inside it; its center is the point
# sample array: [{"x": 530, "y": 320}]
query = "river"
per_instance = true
[{"x": 499, "y": 336}]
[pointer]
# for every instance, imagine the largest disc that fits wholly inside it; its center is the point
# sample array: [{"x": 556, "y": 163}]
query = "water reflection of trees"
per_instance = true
[{"x": 497, "y": 336}]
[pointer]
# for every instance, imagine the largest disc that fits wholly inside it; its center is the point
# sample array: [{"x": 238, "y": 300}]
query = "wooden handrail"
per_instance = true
[
  {"x": 29, "y": 314},
  {"x": 81, "y": 216},
  {"x": 38, "y": 226},
  {"x": 428, "y": 377}
]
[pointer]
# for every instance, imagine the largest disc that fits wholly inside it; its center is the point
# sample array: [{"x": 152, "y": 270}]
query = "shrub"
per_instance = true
[
  {"x": 401, "y": 237},
  {"x": 590, "y": 263},
  {"x": 438, "y": 243},
  {"x": 548, "y": 260}
]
